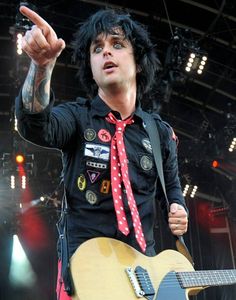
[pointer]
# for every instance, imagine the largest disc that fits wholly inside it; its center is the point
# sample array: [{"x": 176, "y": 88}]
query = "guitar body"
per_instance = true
[{"x": 99, "y": 266}]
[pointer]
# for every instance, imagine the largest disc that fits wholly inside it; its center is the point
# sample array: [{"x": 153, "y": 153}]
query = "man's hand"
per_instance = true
[
  {"x": 178, "y": 219},
  {"x": 41, "y": 43}
]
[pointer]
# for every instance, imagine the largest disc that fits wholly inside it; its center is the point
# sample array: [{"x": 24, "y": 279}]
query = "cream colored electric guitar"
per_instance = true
[{"x": 107, "y": 269}]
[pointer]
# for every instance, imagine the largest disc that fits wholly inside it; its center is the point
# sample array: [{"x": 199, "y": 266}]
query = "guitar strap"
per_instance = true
[{"x": 154, "y": 136}]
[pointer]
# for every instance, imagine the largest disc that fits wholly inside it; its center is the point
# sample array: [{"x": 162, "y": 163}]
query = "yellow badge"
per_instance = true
[{"x": 81, "y": 182}]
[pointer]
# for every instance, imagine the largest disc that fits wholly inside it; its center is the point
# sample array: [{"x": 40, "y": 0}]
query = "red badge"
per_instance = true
[{"x": 104, "y": 135}]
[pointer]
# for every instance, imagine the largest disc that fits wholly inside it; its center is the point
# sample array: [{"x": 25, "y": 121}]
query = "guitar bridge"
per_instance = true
[
  {"x": 141, "y": 282},
  {"x": 133, "y": 280}
]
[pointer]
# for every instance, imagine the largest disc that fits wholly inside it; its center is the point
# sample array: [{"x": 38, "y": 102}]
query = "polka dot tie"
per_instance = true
[{"x": 119, "y": 173}]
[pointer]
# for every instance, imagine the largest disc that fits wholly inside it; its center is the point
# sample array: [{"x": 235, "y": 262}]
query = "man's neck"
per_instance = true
[{"x": 122, "y": 102}]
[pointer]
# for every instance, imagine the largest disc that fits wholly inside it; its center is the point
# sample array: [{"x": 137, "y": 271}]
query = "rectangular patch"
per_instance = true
[
  {"x": 97, "y": 151},
  {"x": 96, "y": 165},
  {"x": 105, "y": 187}
]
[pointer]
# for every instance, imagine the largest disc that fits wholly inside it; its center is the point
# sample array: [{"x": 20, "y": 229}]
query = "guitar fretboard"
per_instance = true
[{"x": 206, "y": 278}]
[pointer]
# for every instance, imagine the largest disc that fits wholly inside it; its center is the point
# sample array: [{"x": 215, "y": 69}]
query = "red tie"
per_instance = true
[{"x": 119, "y": 173}]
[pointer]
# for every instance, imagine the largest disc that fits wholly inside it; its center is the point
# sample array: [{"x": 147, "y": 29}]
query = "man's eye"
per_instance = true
[
  {"x": 118, "y": 46},
  {"x": 97, "y": 49}
]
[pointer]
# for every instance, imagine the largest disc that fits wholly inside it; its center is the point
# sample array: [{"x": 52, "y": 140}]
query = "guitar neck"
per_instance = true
[{"x": 206, "y": 278}]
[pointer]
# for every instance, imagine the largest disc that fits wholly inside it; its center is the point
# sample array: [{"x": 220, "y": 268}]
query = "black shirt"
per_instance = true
[{"x": 79, "y": 129}]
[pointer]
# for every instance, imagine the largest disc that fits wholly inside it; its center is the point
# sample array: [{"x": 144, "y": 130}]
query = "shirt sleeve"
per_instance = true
[
  {"x": 53, "y": 127},
  {"x": 170, "y": 168}
]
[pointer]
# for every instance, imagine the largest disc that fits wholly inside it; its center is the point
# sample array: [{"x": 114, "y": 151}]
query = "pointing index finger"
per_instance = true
[{"x": 36, "y": 19}]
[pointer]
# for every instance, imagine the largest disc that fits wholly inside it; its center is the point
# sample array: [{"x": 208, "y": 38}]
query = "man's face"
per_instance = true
[{"x": 112, "y": 61}]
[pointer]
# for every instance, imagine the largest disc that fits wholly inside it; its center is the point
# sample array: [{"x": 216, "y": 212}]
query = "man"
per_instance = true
[{"x": 109, "y": 170}]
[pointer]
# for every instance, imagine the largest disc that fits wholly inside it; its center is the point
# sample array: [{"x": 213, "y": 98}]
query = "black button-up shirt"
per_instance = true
[{"x": 79, "y": 129}]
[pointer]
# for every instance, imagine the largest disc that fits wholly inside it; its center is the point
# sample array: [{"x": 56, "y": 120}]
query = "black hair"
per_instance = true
[{"x": 105, "y": 22}]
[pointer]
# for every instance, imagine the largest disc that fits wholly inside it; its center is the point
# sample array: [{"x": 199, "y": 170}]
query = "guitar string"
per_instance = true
[{"x": 190, "y": 282}]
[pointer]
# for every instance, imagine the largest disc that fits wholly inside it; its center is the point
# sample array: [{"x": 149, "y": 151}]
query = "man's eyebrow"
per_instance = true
[
  {"x": 113, "y": 37},
  {"x": 96, "y": 41},
  {"x": 118, "y": 37}
]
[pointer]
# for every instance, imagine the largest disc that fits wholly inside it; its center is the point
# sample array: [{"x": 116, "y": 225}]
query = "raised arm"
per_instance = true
[{"x": 43, "y": 47}]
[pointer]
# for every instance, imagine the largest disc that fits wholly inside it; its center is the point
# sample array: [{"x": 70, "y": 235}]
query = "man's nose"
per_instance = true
[{"x": 107, "y": 52}]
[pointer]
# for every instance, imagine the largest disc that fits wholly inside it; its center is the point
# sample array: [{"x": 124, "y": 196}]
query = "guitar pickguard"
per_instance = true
[{"x": 170, "y": 288}]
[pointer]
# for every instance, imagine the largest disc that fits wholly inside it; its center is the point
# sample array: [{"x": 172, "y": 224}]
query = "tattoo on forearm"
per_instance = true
[
  {"x": 28, "y": 88},
  {"x": 36, "y": 89}
]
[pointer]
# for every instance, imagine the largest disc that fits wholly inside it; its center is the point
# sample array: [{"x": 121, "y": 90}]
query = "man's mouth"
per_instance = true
[{"x": 109, "y": 65}]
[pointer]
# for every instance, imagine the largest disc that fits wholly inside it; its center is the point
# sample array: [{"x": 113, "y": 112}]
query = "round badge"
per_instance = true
[
  {"x": 147, "y": 145},
  {"x": 91, "y": 197},
  {"x": 146, "y": 163},
  {"x": 89, "y": 134},
  {"x": 81, "y": 182},
  {"x": 104, "y": 135}
]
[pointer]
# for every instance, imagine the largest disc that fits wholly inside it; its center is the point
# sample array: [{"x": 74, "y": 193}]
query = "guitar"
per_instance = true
[{"x": 107, "y": 269}]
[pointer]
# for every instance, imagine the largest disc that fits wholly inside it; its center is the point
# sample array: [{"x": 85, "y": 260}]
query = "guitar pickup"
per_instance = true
[{"x": 145, "y": 282}]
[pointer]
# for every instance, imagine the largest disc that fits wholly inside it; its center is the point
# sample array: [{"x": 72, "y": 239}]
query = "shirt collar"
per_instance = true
[{"x": 100, "y": 108}]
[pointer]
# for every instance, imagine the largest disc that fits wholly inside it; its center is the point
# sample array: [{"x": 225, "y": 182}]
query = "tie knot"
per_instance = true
[{"x": 120, "y": 124}]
